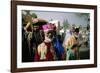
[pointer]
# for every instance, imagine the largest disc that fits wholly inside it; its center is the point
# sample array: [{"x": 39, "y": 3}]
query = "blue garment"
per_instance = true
[{"x": 58, "y": 48}]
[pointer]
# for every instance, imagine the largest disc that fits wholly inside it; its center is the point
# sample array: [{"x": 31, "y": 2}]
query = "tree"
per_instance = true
[{"x": 65, "y": 24}]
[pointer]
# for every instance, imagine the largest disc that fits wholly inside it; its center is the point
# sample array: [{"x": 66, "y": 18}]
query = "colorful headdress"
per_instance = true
[{"x": 49, "y": 26}]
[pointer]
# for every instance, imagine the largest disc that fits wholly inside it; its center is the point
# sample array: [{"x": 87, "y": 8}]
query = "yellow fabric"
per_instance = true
[
  {"x": 70, "y": 41},
  {"x": 42, "y": 50}
]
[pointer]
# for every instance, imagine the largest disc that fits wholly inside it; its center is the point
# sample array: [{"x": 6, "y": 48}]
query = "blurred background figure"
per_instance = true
[
  {"x": 31, "y": 29},
  {"x": 68, "y": 33},
  {"x": 71, "y": 41},
  {"x": 26, "y": 37}
]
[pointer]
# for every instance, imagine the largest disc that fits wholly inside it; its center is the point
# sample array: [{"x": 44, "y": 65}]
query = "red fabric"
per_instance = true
[
  {"x": 49, "y": 55},
  {"x": 36, "y": 57},
  {"x": 62, "y": 56}
]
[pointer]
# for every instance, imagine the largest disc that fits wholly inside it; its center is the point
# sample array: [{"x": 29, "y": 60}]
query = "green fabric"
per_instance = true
[{"x": 70, "y": 55}]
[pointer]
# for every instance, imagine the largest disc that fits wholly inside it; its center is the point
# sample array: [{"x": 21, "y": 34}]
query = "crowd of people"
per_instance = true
[{"x": 41, "y": 42}]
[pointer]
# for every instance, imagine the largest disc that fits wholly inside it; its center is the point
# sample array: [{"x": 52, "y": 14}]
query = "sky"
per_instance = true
[{"x": 71, "y": 17}]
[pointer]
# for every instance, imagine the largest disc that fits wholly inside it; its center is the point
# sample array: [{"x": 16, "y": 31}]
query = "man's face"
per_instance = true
[
  {"x": 34, "y": 20},
  {"x": 49, "y": 35}
]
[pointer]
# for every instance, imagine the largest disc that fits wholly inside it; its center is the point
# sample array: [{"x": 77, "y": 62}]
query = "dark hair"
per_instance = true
[
  {"x": 74, "y": 46},
  {"x": 77, "y": 30}
]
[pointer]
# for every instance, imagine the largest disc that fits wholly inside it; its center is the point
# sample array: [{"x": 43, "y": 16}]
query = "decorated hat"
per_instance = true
[{"x": 48, "y": 26}]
